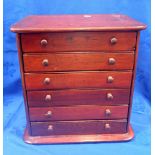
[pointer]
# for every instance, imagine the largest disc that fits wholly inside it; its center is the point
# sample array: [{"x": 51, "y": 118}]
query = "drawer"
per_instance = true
[
  {"x": 67, "y": 80},
  {"x": 78, "y": 127},
  {"x": 78, "y": 113},
  {"x": 78, "y": 97},
  {"x": 78, "y": 41},
  {"x": 78, "y": 61}
]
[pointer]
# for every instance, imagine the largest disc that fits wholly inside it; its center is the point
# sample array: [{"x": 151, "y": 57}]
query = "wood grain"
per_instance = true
[
  {"x": 78, "y": 113},
  {"x": 20, "y": 58},
  {"x": 133, "y": 79},
  {"x": 67, "y": 80},
  {"x": 78, "y": 41},
  {"x": 90, "y": 22},
  {"x": 75, "y": 76},
  {"x": 91, "y": 138},
  {"x": 77, "y": 62},
  {"x": 78, "y": 97},
  {"x": 78, "y": 127}
]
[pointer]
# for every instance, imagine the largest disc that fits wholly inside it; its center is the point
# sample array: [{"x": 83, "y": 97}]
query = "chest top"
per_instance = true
[{"x": 104, "y": 22}]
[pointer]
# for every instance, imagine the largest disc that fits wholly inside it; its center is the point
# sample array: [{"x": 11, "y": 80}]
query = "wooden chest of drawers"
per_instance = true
[{"x": 78, "y": 76}]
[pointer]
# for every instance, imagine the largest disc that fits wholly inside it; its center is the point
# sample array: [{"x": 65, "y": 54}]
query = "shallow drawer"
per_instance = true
[
  {"x": 78, "y": 97},
  {"x": 78, "y": 41},
  {"x": 78, "y": 127},
  {"x": 65, "y": 80},
  {"x": 78, "y": 113},
  {"x": 78, "y": 61}
]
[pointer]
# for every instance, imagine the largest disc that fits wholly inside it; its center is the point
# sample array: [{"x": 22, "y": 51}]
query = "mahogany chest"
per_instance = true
[{"x": 78, "y": 76}]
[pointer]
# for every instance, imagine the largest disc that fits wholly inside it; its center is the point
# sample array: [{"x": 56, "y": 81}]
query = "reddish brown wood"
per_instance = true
[
  {"x": 18, "y": 38},
  {"x": 78, "y": 97},
  {"x": 92, "y": 22},
  {"x": 78, "y": 138},
  {"x": 78, "y": 113},
  {"x": 76, "y": 80},
  {"x": 78, "y": 127},
  {"x": 66, "y": 60},
  {"x": 77, "y": 61},
  {"x": 133, "y": 79},
  {"x": 78, "y": 41}
]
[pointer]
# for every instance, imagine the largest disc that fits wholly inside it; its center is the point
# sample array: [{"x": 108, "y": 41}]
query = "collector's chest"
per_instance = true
[{"x": 78, "y": 76}]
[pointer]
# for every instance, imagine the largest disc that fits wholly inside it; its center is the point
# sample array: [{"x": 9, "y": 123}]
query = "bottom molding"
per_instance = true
[{"x": 59, "y": 139}]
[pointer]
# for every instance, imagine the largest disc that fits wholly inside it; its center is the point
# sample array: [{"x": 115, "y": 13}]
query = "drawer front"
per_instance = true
[
  {"x": 78, "y": 127},
  {"x": 66, "y": 80},
  {"x": 78, "y": 97},
  {"x": 78, "y": 61},
  {"x": 78, "y": 113},
  {"x": 78, "y": 41}
]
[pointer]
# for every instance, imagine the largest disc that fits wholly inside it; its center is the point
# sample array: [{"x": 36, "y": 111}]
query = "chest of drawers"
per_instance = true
[{"x": 78, "y": 76}]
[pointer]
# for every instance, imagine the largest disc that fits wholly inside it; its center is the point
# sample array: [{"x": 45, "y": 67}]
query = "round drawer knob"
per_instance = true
[
  {"x": 107, "y": 126},
  {"x": 109, "y": 96},
  {"x": 50, "y": 127},
  {"x": 113, "y": 40},
  {"x": 110, "y": 79},
  {"x": 48, "y": 98},
  {"x": 43, "y": 42},
  {"x": 45, "y": 62},
  {"x": 107, "y": 112},
  {"x": 48, "y": 114},
  {"x": 47, "y": 81},
  {"x": 111, "y": 61}
]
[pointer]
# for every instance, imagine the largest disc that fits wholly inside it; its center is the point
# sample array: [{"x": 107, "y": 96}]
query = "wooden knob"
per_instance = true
[
  {"x": 45, "y": 62},
  {"x": 107, "y": 126},
  {"x": 47, "y": 81},
  {"x": 50, "y": 127},
  {"x": 43, "y": 42},
  {"x": 111, "y": 61},
  {"x": 113, "y": 40},
  {"x": 48, "y": 98},
  {"x": 110, "y": 79},
  {"x": 109, "y": 96},
  {"x": 48, "y": 114},
  {"x": 107, "y": 112}
]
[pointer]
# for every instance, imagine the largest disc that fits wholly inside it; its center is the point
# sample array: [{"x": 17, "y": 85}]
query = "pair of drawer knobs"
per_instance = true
[
  {"x": 111, "y": 61},
  {"x": 44, "y": 42},
  {"x": 106, "y": 126},
  {"x": 48, "y": 97},
  {"x": 49, "y": 113},
  {"x": 46, "y": 81}
]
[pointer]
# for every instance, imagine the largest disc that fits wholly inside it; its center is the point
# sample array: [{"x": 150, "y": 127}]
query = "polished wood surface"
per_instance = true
[
  {"x": 91, "y": 138},
  {"x": 78, "y": 74},
  {"x": 67, "y": 80},
  {"x": 78, "y": 127},
  {"x": 78, "y": 97},
  {"x": 78, "y": 113},
  {"x": 133, "y": 79},
  {"x": 20, "y": 57},
  {"x": 78, "y": 61},
  {"x": 88, "y": 22},
  {"x": 78, "y": 41}
]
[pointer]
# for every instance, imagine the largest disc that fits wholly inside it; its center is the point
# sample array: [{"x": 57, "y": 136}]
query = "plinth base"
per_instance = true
[{"x": 78, "y": 138}]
